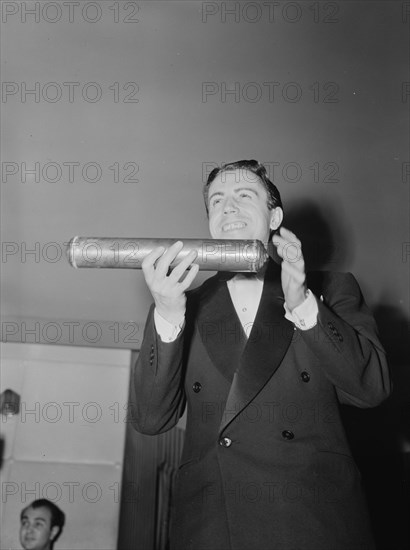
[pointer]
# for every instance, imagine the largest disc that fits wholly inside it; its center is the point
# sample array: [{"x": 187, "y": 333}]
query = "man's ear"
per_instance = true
[
  {"x": 54, "y": 532},
  {"x": 276, "y": 217}
]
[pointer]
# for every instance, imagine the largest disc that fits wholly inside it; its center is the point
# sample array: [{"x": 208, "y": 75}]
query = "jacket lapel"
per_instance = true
[{"x": 267, "y": 344}]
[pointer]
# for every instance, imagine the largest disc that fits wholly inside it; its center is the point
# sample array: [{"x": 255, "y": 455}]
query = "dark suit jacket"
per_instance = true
[{"x": 266, "y": 464}]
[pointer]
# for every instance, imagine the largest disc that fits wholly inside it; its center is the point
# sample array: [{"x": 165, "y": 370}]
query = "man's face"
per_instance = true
[
  {"x": 238, "y": 207},
  {"x": 36, "y": 532}
]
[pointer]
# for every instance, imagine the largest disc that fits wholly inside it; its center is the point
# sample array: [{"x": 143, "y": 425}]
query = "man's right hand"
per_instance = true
[{"x": 168, "y": 291}]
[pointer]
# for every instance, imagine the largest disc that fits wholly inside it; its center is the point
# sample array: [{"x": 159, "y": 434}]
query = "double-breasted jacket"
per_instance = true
[{"x": 266, "y": 464}]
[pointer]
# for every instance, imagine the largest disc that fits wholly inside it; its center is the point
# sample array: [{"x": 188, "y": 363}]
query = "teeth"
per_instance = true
[{"x": 232, "y": 226}]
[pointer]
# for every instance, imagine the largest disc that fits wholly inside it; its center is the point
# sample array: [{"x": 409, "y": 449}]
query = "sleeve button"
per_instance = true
[
  {"x": 305, "y": 376},
  {"x": 287, "y": 434}
]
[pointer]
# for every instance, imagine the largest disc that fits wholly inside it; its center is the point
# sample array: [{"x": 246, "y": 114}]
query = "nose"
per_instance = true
[
  {"x": 230, "y": 206},
  {"x": 28, "y": 531}
]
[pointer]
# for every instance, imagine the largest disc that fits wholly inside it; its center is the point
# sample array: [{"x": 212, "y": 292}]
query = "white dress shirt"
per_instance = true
[{"x": 246, "y": 291}]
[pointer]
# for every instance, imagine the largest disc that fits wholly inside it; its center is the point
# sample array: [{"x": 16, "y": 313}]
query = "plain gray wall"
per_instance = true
[{"x": 355, "y": 52}]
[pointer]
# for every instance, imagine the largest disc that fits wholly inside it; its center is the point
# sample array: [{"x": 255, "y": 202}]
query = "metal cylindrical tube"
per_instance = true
[{"x": 122, "y": 253}]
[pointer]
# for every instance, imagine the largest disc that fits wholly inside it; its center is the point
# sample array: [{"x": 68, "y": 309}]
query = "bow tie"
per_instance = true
[{"x": 241, "y": 276}]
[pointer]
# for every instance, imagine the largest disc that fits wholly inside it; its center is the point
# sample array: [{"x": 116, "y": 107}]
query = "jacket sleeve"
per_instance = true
[
  {"x": 346, "y": 342},
  {"x": 157, "y": 386}
]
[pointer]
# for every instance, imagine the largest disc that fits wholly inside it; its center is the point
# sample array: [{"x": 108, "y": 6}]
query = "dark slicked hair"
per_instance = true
[
  {"x": 252, "y": 166},
  {"x": 57, "y": 515}
]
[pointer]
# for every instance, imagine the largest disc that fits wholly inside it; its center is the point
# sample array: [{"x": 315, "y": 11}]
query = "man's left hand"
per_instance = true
[{"x": 293, "y": 275}]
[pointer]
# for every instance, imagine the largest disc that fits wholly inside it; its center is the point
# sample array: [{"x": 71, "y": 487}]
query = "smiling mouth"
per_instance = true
[{"x": 232, "y": 226}]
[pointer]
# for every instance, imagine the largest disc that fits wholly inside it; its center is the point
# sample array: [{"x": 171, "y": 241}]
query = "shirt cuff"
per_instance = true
[
  {"x": 168, "y": 332},
  {"x": 304, "y": 316}
]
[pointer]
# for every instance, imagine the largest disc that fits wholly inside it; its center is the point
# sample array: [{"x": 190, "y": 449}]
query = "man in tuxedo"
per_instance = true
[{"x": 262, "y": 362}]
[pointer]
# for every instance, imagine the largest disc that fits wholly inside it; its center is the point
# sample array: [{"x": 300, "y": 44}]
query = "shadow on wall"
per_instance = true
[
  {"x": 379, "y": 437},
  {"x": 327, "y": 242}
]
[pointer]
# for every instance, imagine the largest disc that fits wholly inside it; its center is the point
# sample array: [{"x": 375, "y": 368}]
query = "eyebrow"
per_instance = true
[
  {"x": 36, "y": 519},
  {"x": 238, "y": 190}
]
